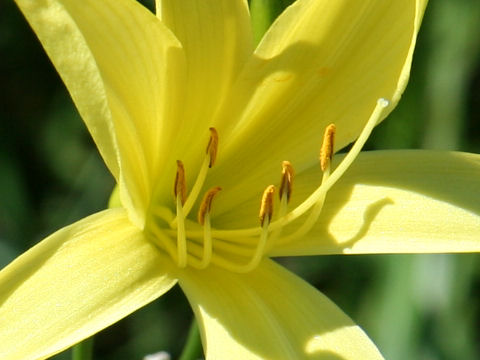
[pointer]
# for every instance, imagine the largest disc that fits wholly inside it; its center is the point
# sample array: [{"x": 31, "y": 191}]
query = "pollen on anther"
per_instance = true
[
  {"x": 180, "y": 188},
  {"x": 326, "y": 152},
  {"x": 266, "y": 206},
  {"x": 286, "y": 182},
  {"x": 206, "y": 204},
  {"x": 212, "y": 146}
]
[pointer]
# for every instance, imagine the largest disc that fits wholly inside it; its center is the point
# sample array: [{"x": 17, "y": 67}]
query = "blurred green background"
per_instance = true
[{"x": 412, "y": 306}]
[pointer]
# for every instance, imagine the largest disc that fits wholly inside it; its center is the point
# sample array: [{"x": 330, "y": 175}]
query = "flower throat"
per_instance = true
[{"x": 198, "y": 244}]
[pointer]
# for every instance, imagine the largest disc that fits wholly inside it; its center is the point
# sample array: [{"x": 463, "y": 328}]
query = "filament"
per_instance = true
[{"x": 181, "y": 236}]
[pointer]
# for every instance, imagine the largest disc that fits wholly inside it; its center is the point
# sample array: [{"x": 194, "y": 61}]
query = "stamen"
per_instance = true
[
  {"x": 212, "y": 146},
  {"x": 181, "y": 236},
  {"x": 208, "y": 162},
  {"x": 180, "y": 191},
  {"x": 266, "y": 206},
  {"x": 180, "y": 188},
  {"x": 204, "y": 219},
  {"x": 266, "y": 212},
  {"x": 321, "y": 191},
  {"x": 206, "y": 204},
  {"x": 286, "y": 182},
  {"x": 285, "y": 193},
  {"x": 341, "y": 168},
  {"x": 250, "y": 244},
  {"x": 326, "y": 151},
  {"x": 259, "y": 251},
  {"x": 326, "y": 154},
  {"x": 312, "y": 216}
]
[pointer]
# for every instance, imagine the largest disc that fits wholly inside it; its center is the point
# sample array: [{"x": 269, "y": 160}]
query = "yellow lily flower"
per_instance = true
[{"x": 183, "y": 100}]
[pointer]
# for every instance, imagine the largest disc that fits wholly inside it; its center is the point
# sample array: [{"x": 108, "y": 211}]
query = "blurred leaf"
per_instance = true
[
  {"x": 263, "y": 13},
  {"x": 14, "y": 206},
  {"x": 453, "y": 34}
]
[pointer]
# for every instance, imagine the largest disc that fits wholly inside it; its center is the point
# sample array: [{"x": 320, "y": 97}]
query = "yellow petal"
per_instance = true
[
  {"x": 76, "y": 282},
  {"x": 217, "y": 40},
  {"x": 321, "y": 62},
  {"x": 123, "y": 68},
  {"x": 270, "y": 313},
  {"x": 397, "y": 202}
]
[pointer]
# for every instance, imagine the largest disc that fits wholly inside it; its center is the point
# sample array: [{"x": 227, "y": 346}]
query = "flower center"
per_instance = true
[{"x": 198, "y": 244}]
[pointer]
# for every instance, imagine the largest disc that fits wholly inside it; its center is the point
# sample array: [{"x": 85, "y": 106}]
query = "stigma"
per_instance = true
[{"x": 196, "y": 243}]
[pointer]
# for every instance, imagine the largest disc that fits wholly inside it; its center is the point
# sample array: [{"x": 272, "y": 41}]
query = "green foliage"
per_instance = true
[{"x": 263, "y": 13}]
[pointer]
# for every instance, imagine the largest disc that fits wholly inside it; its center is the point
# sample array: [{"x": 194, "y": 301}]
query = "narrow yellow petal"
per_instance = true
[
  {"x": 270, "y": 313},
  {"x": 321, "y": 62},
  {"x": 124, "y": 71},
  {"x": 397, "y": 202},
  {"x": 217, "y": 40},
  {"x": 76, "y": 282}
]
